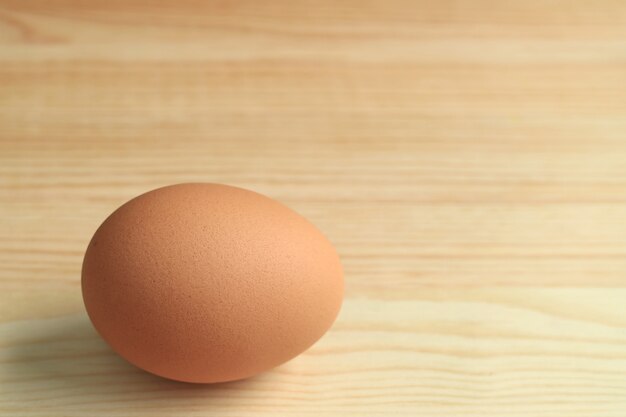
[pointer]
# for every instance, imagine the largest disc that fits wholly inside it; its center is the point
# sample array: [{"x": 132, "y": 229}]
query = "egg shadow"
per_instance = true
[{"x": 61, "y": 365}]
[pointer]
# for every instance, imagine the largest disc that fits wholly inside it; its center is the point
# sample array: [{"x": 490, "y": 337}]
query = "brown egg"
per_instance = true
[{"x": 208, "y": 283}]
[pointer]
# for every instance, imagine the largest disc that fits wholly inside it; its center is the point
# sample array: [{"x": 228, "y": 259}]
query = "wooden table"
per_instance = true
[{"x": 467, "y": 158}]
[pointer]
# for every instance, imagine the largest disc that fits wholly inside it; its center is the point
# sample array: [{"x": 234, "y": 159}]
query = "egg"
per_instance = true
[{"x": 210, "y": 283}]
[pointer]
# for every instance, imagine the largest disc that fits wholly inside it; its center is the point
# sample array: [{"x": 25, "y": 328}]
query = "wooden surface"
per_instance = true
[{"x": 467, "y": 158}]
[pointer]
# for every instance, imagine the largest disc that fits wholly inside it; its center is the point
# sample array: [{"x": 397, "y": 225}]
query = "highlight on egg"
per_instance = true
[{"x": 210, "y": 283}]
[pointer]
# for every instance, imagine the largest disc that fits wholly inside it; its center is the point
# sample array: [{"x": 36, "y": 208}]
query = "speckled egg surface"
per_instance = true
[{"x": 210, "y": 283}]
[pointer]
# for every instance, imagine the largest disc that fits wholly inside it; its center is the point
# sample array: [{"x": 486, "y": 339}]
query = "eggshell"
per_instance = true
[{"x": 210, "y": 283}]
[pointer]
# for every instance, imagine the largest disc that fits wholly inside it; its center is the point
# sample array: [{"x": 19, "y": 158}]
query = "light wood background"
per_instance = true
[{"x": 467, "y": 158}]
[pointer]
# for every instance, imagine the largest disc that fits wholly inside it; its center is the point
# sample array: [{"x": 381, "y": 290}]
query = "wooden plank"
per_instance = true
[{"x": 444, "y": 352}]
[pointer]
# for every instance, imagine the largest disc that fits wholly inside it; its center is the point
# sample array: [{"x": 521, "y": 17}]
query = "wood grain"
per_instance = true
[{"x": 467, "y": 158}]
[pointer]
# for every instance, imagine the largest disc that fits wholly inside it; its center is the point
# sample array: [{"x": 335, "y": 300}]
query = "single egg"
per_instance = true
[{"x": 210, "y": 283}]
